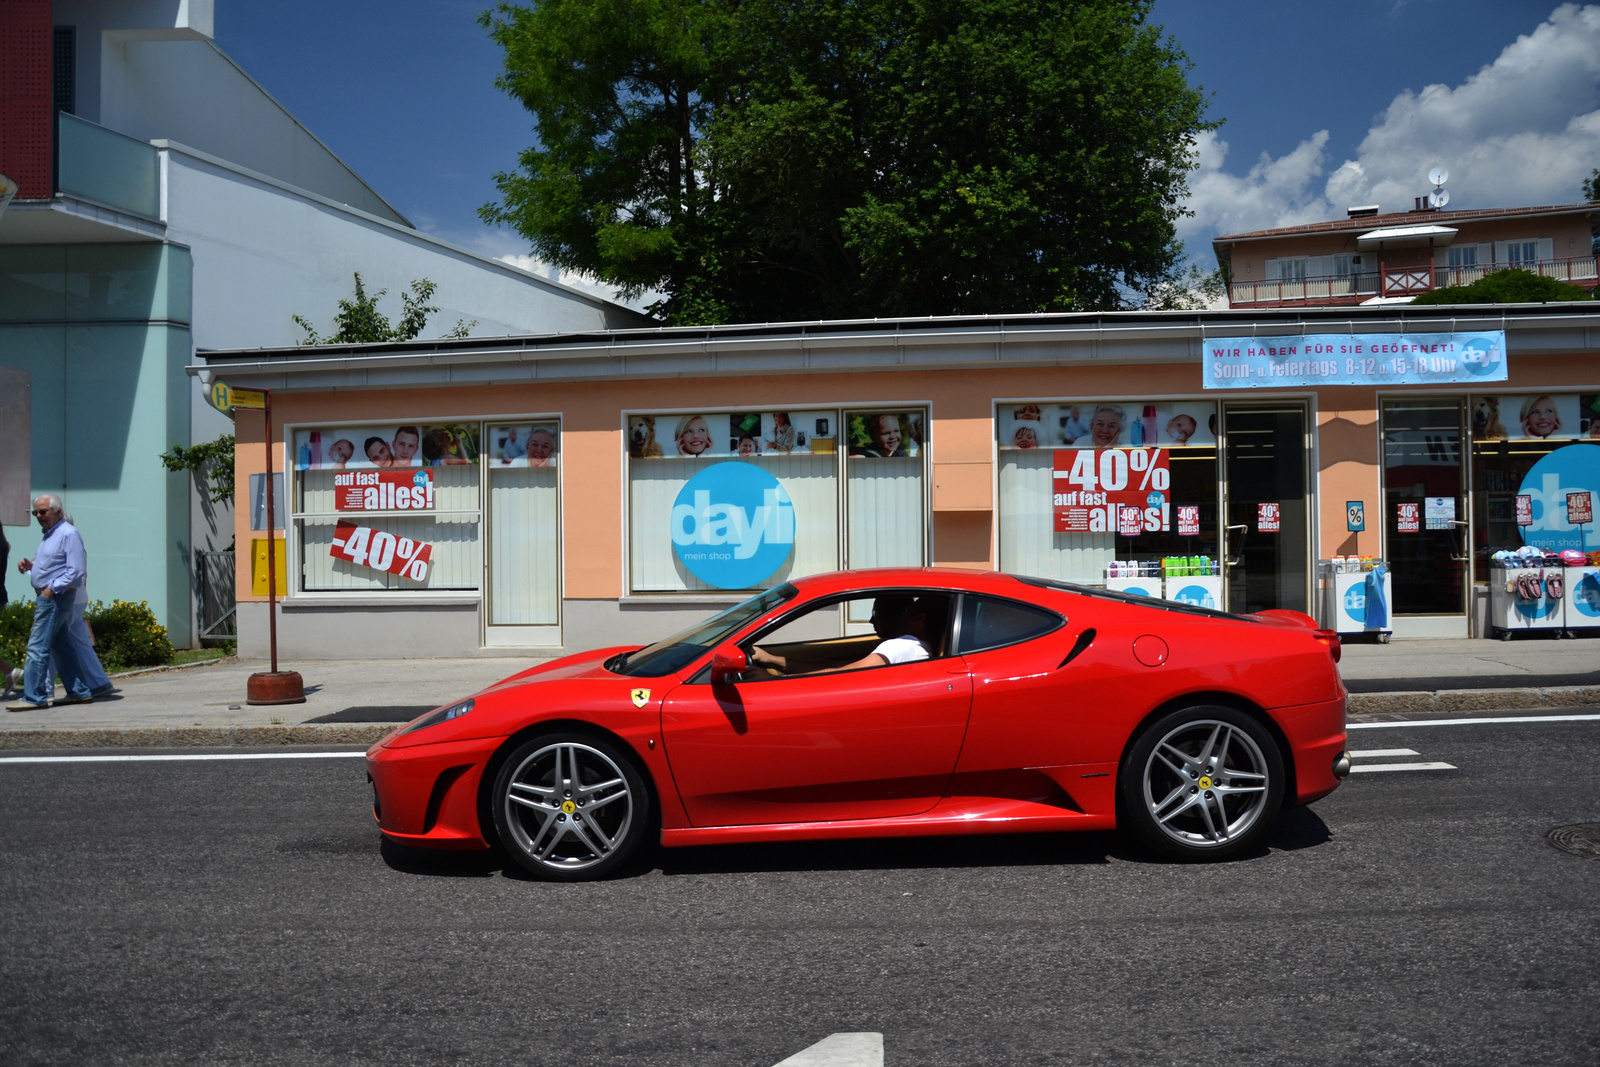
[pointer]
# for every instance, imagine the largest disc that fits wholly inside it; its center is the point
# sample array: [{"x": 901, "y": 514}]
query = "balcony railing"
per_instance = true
[
  {"x": 108, "y": 167},
  {"x": 1398, "y": 281},
  {"x": 1343, "y": 288}
]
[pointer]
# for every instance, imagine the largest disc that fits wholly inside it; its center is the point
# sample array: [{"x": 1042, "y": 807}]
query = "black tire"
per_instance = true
[
  {"x": 1174, "y": 799},
  {"x": 544, "y": 803}
]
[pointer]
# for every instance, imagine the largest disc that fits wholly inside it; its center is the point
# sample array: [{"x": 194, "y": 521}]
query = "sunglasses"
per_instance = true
[{"x": 43, "y": 511}]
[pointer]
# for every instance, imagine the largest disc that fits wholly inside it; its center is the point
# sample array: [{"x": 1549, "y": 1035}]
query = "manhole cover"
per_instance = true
[{"x": 1580, "y": 839}]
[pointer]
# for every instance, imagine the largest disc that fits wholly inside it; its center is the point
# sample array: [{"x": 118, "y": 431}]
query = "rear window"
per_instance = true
[{"x": 989, "y": 622}]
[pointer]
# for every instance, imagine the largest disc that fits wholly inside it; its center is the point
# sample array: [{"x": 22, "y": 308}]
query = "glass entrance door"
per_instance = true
[
  {"x": 1424, "y": 507},
  {"x": 1269, "y": 535}
]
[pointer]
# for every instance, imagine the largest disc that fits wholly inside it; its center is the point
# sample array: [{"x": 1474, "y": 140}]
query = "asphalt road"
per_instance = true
[{"x": 244, "y": 912}]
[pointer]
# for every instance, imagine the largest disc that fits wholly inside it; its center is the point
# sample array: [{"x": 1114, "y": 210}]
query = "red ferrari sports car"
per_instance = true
[{"x": 879, "y": 704}]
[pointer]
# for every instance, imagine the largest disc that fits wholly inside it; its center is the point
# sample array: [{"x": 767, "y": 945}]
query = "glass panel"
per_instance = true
[
  {"x": 454, "y": 489},
  {"x": 455, "y": 562},
  {"x": 989, "y": 622},
  {"x": 1422, "y": 470},
  {"x": 1029, "y": 543},
  {"x": 524, "y": 547},
  {"x": 1266, "y": 458},
  {"x": 812, "y": 482},
  {"x": 108, "y": 167},
  {"x": 886, "y": 512}
]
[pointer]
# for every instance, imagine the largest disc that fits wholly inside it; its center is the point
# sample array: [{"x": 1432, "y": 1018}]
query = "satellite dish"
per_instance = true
[
  {"x": 1438, "y": 198},
  {"x": 1438, "y": 175}
]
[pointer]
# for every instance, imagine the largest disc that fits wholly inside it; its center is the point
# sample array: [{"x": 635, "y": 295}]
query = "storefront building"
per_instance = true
[{"x": 529, "y": 495}]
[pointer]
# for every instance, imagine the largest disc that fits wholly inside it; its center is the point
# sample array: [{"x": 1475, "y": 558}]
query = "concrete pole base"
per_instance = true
[{"x": 280, "y": 687}]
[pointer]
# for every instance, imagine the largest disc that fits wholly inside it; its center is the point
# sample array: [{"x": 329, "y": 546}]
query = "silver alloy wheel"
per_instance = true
[
  {"x": 1205, "y": 783},
  {"x": 568, "y": 806}
]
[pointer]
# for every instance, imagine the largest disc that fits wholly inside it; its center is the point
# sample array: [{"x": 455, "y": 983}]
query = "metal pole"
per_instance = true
[{"x": 272, "y": 533}]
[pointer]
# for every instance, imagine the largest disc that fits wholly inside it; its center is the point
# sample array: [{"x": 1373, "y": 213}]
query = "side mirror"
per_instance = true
[{"x": 727, "y": 663}]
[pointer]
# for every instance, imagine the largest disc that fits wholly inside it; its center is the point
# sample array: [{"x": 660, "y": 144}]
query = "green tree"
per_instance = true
[
  {"x": 360, "y": 322},
  {"x": 1505, "y": 287},
  {"x": 794, "y": 159},
  {"x": 211, "y": 460}
]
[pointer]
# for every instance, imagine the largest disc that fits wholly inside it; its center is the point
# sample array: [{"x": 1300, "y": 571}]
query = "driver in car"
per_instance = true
[{"x": 903, "y": 625}]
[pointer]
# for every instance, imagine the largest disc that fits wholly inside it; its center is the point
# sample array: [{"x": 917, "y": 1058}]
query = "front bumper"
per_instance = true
[{"x": 427, "y": 795}]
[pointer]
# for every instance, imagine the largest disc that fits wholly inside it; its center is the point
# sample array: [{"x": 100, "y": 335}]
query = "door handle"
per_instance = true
[
  {"x": 1234, "y": 561},
  {"x": 1461, "y": 555}
]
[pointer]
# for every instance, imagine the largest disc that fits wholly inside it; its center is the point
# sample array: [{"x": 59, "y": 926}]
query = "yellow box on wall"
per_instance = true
[{"x": 258, "y": 566}]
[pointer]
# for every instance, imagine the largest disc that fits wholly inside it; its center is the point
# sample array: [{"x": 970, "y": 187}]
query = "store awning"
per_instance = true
[{"x": 1406, "y": 237}]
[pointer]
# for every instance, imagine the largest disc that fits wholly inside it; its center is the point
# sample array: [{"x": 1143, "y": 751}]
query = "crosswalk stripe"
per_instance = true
[
  {"x": 1368, "y": 768},
  {"x": 1371, "y": 753}
]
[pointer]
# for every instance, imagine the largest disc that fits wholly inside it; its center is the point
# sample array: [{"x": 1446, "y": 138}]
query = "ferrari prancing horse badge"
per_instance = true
[{"x": 641, "y": 697}]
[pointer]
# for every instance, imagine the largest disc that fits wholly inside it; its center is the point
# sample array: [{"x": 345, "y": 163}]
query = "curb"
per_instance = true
[
  {"x": 1451, "y": 701},
  {"x": 174, "y": 667},
  {"x": 200, "y": 736}
]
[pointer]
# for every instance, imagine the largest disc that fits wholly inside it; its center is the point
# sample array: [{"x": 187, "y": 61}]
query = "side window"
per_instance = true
[
  {"x": 989, "y": 622},
  {"x": 815, "y": 639}
]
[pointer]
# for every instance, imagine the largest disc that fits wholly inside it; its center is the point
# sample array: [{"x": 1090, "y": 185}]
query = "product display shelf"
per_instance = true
[
  {"x": 1148, "y": 586},
  {"x": 1511, "y": 613},
  {"x": 1345, "y": 597}
]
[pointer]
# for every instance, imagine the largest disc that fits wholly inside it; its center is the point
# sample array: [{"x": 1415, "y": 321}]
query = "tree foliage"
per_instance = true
[
  {"x": 1506, "y": 287},
  {"x": 211, "y": 460},
  {"x": 797, "y": 159},
  {"x": 360, "y": 322}
]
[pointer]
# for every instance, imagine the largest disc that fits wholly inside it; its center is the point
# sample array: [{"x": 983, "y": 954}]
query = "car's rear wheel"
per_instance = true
[
  {"x": 1201, "y": 783},
  {"x": 571, "y": 807}
]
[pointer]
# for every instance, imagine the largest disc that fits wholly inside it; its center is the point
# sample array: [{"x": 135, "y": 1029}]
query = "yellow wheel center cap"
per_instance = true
[
  {"x": 1205, "y": 782},
  {"x": 568, "y": 806}
]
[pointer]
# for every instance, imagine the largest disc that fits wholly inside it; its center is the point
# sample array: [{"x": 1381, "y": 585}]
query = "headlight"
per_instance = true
[{"x": 439, "y": 715}]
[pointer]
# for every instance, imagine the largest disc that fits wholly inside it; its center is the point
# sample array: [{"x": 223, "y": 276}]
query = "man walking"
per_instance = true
[{"x": 57, "y": 574}]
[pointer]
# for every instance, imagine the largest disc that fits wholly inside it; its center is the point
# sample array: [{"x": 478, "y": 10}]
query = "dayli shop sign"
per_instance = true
[{"x": 733, "y": 525}]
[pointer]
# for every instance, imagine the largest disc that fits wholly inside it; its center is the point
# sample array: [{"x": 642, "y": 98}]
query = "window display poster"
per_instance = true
[
  {"x": 719, "y": 436},
  {"x": 1524, "y": 509},
  {"x": 1534, "y": 417},
  {"x": 378, "y": 447},
  {"x": 1407, "y": 518},
  {"x": 886, "y": 434},
  {"x": 1189, "y": 520},
  {"x": 381, "y": 550},
  {"x": 1580, "y": 507},
  {"x": 1269, "y": 518},
  {"x": 390, "y": 490},
  {"x": 1439, "y": 512},
  {"x": 525, "y": 444},
  {"x": 1107, "y": 424},
  {"x": 1092, "y": 488}
]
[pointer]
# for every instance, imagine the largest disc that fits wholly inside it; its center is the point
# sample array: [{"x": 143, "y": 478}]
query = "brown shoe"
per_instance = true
[{"x": 23, "y": 705}]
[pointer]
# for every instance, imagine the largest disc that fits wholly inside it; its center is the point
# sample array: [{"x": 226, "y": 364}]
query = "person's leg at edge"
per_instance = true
[
  {"x": 75, "y": 637},
  {"x": 38, "y": 680}
]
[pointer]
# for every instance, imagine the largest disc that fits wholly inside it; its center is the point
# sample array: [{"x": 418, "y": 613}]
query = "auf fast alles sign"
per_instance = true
[
  {"x": 1120, "y": 490},
  {"x": 733, "y": 525},
  {"x": 401, "y": 490},
  {"x": 1354, "y": 359}
]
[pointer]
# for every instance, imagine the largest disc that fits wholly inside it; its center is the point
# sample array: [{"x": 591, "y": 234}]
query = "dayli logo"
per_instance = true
[{"x": 733, "y": 525}]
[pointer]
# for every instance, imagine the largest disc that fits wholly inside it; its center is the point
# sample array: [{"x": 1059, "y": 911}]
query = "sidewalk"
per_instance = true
[{"x": 363, "y": 698}]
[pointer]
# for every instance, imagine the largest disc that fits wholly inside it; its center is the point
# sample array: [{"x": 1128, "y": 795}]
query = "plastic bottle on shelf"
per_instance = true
[{"x": 1149, "y": 421}]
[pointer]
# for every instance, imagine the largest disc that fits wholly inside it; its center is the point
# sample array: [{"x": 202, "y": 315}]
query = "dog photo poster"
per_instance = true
[{"x": 1533, "y": 417}]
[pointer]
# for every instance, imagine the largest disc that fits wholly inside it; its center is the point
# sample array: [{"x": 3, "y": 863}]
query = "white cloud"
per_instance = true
[{"x": 1523, "y": 130}]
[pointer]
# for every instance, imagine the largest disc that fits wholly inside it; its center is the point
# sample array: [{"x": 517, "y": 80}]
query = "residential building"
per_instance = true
[{"x": 167, "y": 203}]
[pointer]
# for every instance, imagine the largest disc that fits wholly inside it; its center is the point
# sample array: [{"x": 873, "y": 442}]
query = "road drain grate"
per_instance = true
[{"x": 1580, "y": 839}]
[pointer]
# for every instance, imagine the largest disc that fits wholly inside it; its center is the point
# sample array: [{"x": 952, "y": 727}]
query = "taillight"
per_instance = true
[{"x": 1330, "y": 641}]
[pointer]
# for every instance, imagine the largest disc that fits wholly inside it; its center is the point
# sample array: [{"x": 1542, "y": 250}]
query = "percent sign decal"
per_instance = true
[{"x": 381, "y": 550}]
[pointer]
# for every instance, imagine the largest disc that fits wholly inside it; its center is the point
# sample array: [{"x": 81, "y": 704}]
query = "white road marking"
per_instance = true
[
  {"x": 1375, "y": 752},
  {"x": 1465, "y": 721},
  {"x": 1370, "y": 767},
  {"x": 840, "y": 1050},
  {"x": 186, "y": 757}
]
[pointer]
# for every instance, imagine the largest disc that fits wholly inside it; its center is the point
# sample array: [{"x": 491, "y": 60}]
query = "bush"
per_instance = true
[
  {"x": 16, "y": 622},
  {"x": 1514, "y": 286},
  {"x": 127, "y": 635}
]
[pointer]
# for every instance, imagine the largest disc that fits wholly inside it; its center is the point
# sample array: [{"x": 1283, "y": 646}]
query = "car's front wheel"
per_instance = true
[
  {"x": 571, "y": 807},
  {"x": 1201, "y": 783}
]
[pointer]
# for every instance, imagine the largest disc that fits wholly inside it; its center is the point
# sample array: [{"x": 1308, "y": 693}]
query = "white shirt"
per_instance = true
[{"x": 905, "y": 649}]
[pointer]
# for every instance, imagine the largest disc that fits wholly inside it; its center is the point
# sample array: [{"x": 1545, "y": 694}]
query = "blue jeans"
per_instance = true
[
  {"x": 75, "y": 638},
  {"x": 50, "y": 639}
]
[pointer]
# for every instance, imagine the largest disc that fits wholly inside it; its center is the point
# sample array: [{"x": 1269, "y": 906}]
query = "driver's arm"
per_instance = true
[{"x": 762, "y": 658}]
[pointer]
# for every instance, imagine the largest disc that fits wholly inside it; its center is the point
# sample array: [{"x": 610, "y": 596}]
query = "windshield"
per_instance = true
[{"x": 680, "y": 650}]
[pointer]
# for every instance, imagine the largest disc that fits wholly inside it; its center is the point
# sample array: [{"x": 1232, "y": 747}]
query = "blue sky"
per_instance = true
[{"x": 1325, "y": 103}]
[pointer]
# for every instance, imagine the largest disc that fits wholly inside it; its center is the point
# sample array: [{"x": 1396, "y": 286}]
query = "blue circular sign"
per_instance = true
[
  {"x": 1585, "y": 595},
  {"x": 1355, "y": 602},
  {"x": 733, "y": 525},
  {"x": 1572, "y": 469},
  {"x": 1195, "y": 595},
  {"x": 1482, "y": 358}
]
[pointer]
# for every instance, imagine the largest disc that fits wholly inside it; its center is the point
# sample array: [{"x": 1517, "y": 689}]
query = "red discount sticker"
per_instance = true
[
  {"x": 1524, "y": 509},
  {"x": 1189, "y": 520},
  {"x": 1407, "y": 518},
  {"x": 1580, "y": 507},
  {"x": 381, "y": 550},
  {"x": 401, "y": 490},
  {"x": 1269, "y": 517},
  {"x": 1093, "y": 485}
]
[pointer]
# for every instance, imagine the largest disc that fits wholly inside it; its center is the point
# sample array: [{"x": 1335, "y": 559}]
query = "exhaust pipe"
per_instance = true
[{"x": 1341, "y": 765}]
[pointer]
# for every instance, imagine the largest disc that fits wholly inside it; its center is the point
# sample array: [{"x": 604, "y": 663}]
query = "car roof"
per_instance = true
[{"x": 953, "y": 578}]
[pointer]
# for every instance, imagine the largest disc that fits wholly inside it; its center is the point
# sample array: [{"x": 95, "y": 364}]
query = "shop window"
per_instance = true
[
  {"x": 1529, "y": 452},
  {"x": 524, "y": 524},
  {"x": 1424, "y": 517},
  {"x": 1066, "y": 503},
  {"x": 880, "y": 520}
]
